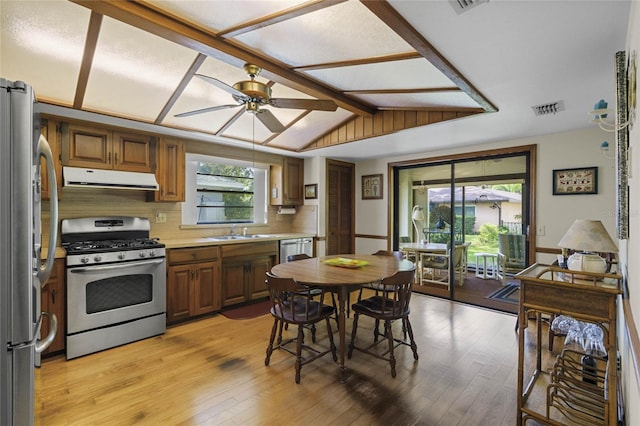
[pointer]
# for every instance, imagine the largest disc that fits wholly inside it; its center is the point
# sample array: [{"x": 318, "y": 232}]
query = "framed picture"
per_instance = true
[
  {"x": 575, "y": 181},
  {"x": 311, "y": 191},
  {"x": 372, "y": 187}
]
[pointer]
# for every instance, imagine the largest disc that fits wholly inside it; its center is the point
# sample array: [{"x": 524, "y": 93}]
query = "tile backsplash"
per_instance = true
[{"x": 108, "y": 202}]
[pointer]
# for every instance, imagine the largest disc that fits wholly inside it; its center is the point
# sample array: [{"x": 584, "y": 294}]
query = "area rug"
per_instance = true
[
  {"x": 253, "y": 310},
  {"x": 509, "y": 293}
]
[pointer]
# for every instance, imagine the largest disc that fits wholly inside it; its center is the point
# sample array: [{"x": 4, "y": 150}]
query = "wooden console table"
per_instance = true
[{"x": 588, "y": 297}]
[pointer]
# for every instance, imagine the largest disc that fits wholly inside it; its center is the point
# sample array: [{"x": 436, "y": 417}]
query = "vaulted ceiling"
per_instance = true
[{"x": 385, "y": 66}]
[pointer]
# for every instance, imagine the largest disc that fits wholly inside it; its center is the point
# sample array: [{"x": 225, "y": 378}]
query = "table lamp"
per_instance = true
[
  {"x": 417, "y": 217},
  {"x": 588, "y": 236}
]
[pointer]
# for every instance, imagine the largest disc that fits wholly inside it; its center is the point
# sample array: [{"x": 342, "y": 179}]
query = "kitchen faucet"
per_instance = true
[{"x": 232, "y": 231}]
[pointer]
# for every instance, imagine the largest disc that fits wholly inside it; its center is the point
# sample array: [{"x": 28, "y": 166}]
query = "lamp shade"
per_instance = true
[
  {"x": 588, "y": 235},
  {"x": 417, "y": 213}
]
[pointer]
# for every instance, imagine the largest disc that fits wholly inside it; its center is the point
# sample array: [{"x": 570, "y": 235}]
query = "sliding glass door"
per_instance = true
[{"x": 460, "y": 212}]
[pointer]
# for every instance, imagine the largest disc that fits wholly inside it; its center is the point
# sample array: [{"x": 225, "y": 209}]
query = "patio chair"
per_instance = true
[
  {"x": 437, "y": 265},
  {"x": 511, "y": 255}
]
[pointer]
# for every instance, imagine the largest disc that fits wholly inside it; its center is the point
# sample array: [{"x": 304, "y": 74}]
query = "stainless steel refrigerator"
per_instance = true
[{"x": 21, "y": 269}]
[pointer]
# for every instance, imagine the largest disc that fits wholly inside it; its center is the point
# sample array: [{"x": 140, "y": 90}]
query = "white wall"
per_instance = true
[{"x": 578, "y": 148}]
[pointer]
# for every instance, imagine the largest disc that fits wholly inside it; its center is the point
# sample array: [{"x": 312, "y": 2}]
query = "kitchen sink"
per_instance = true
[
  {"x": 228, "y": 237},
  {"x": 239, "y": 237}
]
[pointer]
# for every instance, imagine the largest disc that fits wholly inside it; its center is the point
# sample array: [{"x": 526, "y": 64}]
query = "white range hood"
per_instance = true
[{"x": 112, "y": 179}]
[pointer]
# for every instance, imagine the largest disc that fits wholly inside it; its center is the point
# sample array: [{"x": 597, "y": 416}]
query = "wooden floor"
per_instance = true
[{"x": 212, "y": 372}]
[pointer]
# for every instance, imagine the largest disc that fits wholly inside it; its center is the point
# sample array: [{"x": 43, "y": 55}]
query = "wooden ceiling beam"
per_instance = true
[
  {"x": 195, "y": 65},
  {"x": 403, "y": 91},
  {"x": 362, "y": 61},
  {"x": 170, "y": 28},
  {"x": 285, "y": 15},
  {"x": 90, "y": 43},
  {"x": 387, "y": 14}
]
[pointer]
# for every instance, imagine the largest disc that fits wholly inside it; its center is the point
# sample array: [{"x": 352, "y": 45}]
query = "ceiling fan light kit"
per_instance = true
[{"x": 254, "y": 94}]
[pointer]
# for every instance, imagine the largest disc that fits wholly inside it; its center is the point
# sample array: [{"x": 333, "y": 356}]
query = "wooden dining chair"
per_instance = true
[
  {"x": 299, "y": 256},
  {"x": 389, "y": 305},
  {"x": 315, "y": 292},
  {"x": 292, "y": 303},
  {"x": 376, "y": 285}
]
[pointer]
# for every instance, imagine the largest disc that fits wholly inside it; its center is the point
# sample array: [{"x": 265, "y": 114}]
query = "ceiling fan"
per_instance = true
[{"x": 254, "y": 94}]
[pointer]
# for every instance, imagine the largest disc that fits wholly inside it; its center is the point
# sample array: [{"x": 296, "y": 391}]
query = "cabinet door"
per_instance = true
[
  {"x": 53, "y": 301},
  {"x": 84, "y": 146},
  {"x": 170, "y": 171},
  {"x": 259, "y": 269},
  {"x": 48, "y": 130},
  {"x": 179, "y": 292},
  {"x": 233, "y": 283},
  {"x": 131, "y": 152},
  {"x": 206, "y": 289},
  {"x": 293, "y": 181}
]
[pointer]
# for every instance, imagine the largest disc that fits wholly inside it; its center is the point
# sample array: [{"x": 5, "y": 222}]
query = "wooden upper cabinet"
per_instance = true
[
  {"x": 48, "y": 128},
  {"x": 170, "y": 171},
  {"x": 131, "y": 152},
  {"x": 92, "y": 147},
  {"x": 287, "y": 181}
]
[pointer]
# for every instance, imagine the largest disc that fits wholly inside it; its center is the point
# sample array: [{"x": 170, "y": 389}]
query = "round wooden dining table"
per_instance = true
[{"x": 342, "y": 280}]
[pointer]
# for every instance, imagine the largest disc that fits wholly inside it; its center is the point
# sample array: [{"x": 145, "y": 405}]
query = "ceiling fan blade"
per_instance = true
[
  {"x": 316, "y": 104},
  {"x": 224, "y": 86},
  {"x": 269, "y": 120},
  {"x": 203, "y": 110}
]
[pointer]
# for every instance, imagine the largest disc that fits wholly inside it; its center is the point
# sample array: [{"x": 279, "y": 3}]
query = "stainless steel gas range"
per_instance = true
[{"x": 116, "y": 283}]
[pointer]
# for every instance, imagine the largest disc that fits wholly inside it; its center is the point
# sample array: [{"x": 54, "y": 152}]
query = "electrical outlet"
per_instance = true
[
  {"x": 540, "y": 230},
  {"x": 161, "y": 217}
]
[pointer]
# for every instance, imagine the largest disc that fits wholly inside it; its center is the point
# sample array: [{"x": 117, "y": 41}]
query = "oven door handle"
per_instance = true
[{"x": 117, "y": 266}]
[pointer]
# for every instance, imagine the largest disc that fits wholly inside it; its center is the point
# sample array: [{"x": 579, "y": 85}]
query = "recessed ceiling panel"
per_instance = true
[
  {"x": 222, "y": 14},
  {"x": 38, "y": 50},
  {"x": 309, "y": 128},
  {"x": 327, "y": 35},
  {"x": 200, "y": 94},
  {"x": 249, "y": 128},
  {"x": 421, "y": 100},
  {"x": 134, "y": 72},
  {"x": 407, "y": 74}
]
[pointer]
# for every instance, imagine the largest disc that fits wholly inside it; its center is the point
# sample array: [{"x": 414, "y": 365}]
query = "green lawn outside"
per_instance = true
[{"x": 478, "y": 247}]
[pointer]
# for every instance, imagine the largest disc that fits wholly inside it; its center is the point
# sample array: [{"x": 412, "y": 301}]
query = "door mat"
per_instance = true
[
  {"x": 253, "y": 310},
  {"x": 509, "y": 293}
]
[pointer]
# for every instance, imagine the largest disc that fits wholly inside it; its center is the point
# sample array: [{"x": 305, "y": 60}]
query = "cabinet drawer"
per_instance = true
[
  {"x": 269, "y": 248},
  {"x": 189, "y": 255}
]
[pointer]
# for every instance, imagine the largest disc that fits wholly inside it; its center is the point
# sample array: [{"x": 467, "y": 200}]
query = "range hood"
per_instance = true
[{"x": 113, "y": 179}]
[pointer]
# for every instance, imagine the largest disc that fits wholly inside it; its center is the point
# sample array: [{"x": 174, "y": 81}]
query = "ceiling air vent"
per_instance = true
[
  {"x": 463, "y": 5},
  {"x": 550, "y": 108}
]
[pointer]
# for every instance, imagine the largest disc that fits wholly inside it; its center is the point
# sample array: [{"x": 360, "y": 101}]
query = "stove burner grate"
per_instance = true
[{"x": 111, "y": 245}]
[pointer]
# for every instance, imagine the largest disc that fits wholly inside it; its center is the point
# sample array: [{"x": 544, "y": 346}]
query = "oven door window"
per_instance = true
[{"x": 118, "y": 292}]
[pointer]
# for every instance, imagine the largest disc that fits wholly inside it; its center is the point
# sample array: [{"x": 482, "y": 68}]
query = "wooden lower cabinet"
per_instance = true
[
  {"x": 243, "y": 271},
  {"x": 53, "y": 299},
  {"x": 193, "y": 283}
]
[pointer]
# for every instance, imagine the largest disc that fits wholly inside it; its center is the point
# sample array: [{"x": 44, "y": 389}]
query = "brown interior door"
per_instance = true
[{"x": 340, "y": 207}]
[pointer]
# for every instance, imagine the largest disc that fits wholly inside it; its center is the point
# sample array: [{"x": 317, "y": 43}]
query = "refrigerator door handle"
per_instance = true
[
  {"x": 44, "y": 150},
  {"x": 43, "y": 344}
]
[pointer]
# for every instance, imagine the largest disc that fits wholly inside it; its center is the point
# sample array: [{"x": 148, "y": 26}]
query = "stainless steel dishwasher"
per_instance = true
[{"x": 295, "y": 246}]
